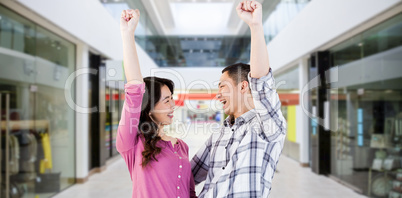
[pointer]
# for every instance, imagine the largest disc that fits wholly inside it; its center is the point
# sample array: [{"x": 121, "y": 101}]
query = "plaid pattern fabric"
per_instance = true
[{"x": 240, "y": 161}]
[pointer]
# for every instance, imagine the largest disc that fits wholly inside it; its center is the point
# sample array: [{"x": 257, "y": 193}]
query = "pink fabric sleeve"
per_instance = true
[
  {"x": 128, "y": 126},
  {"x": 192, "y": 187}
]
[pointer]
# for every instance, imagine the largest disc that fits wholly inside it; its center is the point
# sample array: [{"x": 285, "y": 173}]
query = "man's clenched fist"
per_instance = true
[{"x": 250, "y": 12}]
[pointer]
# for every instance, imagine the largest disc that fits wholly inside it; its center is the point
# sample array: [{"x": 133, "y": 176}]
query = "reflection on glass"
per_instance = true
[
  {"x": 281, "y": 16},
  {"x": 366, "y": 147},
  {"x": 380, "y": 38},
  {"x": 288, "y": 89},
  {"x": 16, "y": 32},
  {"x": 54, "y": 48},
  {"x": 41, "y": 159},
  {"x": 196, "y": 51}
]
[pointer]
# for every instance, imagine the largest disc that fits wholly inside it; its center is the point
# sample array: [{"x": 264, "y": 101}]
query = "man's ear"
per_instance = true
[{"x": 244, "y": 86}]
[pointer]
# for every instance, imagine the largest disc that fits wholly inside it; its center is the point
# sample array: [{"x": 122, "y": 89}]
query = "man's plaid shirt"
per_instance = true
[{"x": 241, "y": 159}]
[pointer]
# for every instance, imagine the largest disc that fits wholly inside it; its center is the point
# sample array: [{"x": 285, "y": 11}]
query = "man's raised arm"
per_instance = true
[{"x": 251, "y": 13}]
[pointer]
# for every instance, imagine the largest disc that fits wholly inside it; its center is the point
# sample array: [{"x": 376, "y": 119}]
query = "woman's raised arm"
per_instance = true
[{"x": 128, "y": 23}]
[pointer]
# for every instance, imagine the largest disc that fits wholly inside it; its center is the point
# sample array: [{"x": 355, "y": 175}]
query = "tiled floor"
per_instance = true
[{"x": 292, "y": 181}]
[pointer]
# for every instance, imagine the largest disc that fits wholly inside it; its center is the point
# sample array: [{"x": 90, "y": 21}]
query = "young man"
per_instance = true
[{"x": 240, "y": 161}]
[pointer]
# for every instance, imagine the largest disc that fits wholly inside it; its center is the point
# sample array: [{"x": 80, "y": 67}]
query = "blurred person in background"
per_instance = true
[
  {"x": 158, "y": 164},
  {"x": 240, "y": 161}
]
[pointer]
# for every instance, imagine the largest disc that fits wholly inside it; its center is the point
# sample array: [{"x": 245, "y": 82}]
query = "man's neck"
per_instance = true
[{"x": 244, "y": 109}]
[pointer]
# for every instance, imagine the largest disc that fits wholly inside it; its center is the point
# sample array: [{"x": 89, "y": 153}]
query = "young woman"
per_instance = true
[{"x": 158, "y": 164}]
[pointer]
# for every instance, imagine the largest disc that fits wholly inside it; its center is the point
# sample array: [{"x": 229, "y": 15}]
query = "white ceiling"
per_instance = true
[{"x": 194, "y": 17}]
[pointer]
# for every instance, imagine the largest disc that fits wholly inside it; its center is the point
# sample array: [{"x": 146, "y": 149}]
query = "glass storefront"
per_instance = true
[
  {"x": 37, "y": 125},
  {"x": 114, "y": 102},
  {"x": 366, "y": 110},
  {"x": 288, "y": 89}
]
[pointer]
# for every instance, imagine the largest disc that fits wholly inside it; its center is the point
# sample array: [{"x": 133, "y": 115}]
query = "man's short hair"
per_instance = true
[{"x": 238, "y": 72}]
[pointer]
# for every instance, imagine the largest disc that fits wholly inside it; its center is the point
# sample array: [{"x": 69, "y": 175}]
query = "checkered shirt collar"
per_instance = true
[{"x": 245, "y": 117}]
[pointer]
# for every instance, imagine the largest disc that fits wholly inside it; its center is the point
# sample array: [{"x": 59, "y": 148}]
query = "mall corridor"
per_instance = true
[
  {"x": 337, "y": 69},
  {"x": 290, "y": 181}
]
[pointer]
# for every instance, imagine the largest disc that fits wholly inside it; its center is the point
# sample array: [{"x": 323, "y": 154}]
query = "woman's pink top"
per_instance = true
[{"x": 171, "y": 175}]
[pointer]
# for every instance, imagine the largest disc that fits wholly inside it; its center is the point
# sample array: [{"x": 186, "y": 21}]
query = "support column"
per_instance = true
[
  {"x": 302, "y": 118},
  {"x": 82, "y": 118}
]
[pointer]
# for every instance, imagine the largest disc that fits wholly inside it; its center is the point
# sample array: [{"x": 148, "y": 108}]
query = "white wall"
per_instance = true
[
  {"x": 320, "y": 22},
  {"x": 86, "y": 20}
]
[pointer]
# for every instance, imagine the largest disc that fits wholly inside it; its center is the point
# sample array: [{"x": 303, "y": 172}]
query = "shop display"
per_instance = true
[
  {"x": 381, "y": 185},
  {"x": 30, "y": 160}
]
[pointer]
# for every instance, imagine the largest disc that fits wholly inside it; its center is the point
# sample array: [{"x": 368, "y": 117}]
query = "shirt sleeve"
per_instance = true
[
  {"x": 268, "y": 106},
  {"x": 128, "y": 126},
  {"x": 192, "y": 188},
  {"x": 200, "y": 162}
]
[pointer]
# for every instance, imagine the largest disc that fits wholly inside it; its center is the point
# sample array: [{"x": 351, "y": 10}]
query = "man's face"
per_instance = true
[{"x": 228, "y": 94}]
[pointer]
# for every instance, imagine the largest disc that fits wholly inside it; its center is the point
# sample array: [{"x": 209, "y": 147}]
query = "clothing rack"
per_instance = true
[{"x": 20, "y": 170}]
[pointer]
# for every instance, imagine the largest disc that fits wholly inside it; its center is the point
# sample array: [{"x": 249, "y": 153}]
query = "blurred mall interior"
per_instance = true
[{"x": 337, "y": 64}]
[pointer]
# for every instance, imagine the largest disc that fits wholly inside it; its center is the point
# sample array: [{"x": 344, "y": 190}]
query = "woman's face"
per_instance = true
[{"x": 163, "y": 111}]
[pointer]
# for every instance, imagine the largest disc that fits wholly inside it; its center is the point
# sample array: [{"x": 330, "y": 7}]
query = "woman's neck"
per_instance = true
[{"x": 161, "y": 133}]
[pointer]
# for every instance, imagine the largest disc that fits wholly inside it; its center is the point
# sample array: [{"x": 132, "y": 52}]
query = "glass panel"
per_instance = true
[
  {"x": 367, "y": 143},
  {"x": 196, "y": 51},
  {"x": 281, "y": 16},
  {"x": 288, "y": 89},
  {"x": 115, "y": 119},
  {"x": 16, "y": 32},
  {"x": 108, "y": 124},
  {"x": 51, "y": 106},
  {"x": 41, "y": 142},
  {"x": 382, "y": 37},
  {"x": 313, "y": 124},
  {"x": 54, "y": 48}
]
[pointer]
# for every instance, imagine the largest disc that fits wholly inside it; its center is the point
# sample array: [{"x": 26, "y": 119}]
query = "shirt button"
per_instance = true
[
  {"x": 178, "y": 187},
  {"x": 175, "y": 152},
  {"x": 179, "y": 157},
  {"x": 180, "y": 166},
  {"x": 179, "y": 176}
]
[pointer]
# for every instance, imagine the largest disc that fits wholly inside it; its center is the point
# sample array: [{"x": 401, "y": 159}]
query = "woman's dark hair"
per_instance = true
[{"x": 147, "y": 127}]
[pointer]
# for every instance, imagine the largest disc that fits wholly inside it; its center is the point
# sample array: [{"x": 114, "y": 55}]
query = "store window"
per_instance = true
[
  {"x": 366, "y": 145},
  {"x": 37, "y": 125},
  {"x": 288, "y": 89}
]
